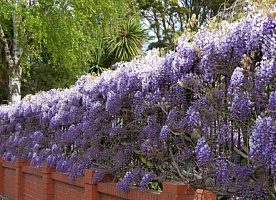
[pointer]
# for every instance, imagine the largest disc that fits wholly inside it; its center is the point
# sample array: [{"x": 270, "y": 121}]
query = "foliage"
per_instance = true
[
  {"x": 167, "y": 19},
  {"x": 43, "y": 77},
  {"x": 120, "y": 45},
  {"x": 203, "y": 115},
  {"x": 59, "y": 34},
  {"x": 127, "y": 44},
  {"x": 102, "y": 60}
]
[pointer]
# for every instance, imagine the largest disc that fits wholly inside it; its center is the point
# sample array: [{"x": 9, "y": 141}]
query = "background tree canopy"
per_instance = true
[
  {"x": 55, "y": 40},
  {"x": 51, "y": 43},
  {"x": 166, "y": 18}
]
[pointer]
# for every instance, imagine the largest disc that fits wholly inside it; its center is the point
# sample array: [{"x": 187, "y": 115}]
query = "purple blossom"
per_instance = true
[
  {"x": 233, "y": 176},
  {"x": 203, "y": 152},
  {"x": 127, "y": 181},
  {"x": 185, "y": 154},
  {"x": 192, "y": 117},
  {"x": 262, "y": 143},
  {"x": 98, "y": 175},
  {"x": 271, "y": 107},
  {"x": 241, "y": 106},
  {"x": 224, "y": 134},
  {"x": 165, "y": 133},
  {"x": 146, "y": 179},
  {"x": 236, "y": 79}
]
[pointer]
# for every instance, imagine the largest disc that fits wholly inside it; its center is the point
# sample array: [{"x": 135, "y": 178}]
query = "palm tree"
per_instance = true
[
  {"x": 127, "y": 43},
  {"x": 101, "y": 59}
]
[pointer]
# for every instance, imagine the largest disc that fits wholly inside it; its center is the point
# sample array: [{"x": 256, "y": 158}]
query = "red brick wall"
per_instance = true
[
  {"x": 64, "y": 191},
  {"x": 20, "y": 181},
  {"x": 108, "y": 191},
  {"x": 9, "y": 183},
  {"x": 32, "y": 187},
  {"x": 32, "y": 183},
  {"x": 109, "y": 197}
]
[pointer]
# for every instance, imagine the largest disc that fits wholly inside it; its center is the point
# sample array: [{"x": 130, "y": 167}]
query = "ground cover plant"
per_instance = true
[{"x": 205, "y": 115}]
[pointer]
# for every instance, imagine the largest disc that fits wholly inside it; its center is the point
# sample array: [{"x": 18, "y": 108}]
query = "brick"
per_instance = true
[
  {"x": 90, "y": 191},
  {"x": 73, "y": 198},
  {"x": 19, "y": 178},
  {"x": 59, "y": 198},
  {"x": 1, "y": 177},
  {"x": 29, "y": 197},
  {"x": 205, "y": 195},
  {"x": 76, "y": 193},
  {"x": 46, "y": 187},
  {"x": 58, "y": 193},
  {"x": 66, "y": 196},
  {"x": 109, "y": 197},
  {"x": 164, "y": 196},
  {"x": 185, "y": 197},
  {"x": 46, "y": 170},
  {"x": 169, "y": 196},
  {"x": 178, "y": 188},
  {"x": 88, "y": 180},
  {"x": 47, "y": 183},
  {"x": 20, "y": 163},
  {"x": 89, "y": 172}
]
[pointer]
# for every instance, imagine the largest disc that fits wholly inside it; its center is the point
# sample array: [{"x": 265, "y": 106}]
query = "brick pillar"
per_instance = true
[
  {"x": 19, "y": 163},
  {"x": 48, "y": 184},
  {"x": 177, "y": 191},
  {"x": 205, "y": 195},
  {"x": 90, "y": 189},
  {"x": 1, "y": 177}
]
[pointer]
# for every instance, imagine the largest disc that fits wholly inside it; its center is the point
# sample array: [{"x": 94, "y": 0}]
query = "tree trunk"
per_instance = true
[
  {"x": 15, "y": 72},
  {"x": 12, "y": 59}
]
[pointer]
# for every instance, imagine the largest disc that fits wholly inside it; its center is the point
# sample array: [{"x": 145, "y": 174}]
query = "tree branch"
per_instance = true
[
  {"x": 183, "y": 174},
  {"x": 240, "y": 153}
]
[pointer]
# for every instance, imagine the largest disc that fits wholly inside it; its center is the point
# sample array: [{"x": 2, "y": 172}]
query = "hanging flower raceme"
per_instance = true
[{"x": 204, "y": 112}]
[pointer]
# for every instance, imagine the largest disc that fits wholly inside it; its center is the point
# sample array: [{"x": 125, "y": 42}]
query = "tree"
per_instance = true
[
  {"x": 67, "y": 30},
  {"x": 168, "y": 17},
  {"x": 122, "y": 44},
  {"x": 127, "y": 43},
  {"x": 42, "y": 75}
]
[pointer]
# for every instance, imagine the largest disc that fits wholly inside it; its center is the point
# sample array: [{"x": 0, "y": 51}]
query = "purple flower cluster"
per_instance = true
[
  {"x": 165, "y": 133},
  {"x": 236, "y": 80},
  {"x": 262, "y": 143},
  {"x": 206, "y": 110},
  {"x": 232, "y": 177},
  {"x": 98, "y": 176},
  {"x": 203, "y": 152},
  {"x": 185, "y": 154},
  {"x": 271, "y": 107},
  {"x": 146, "y": 179},
  {"x": 241, "y": 106},
  {"x": 129, "y": 179}
]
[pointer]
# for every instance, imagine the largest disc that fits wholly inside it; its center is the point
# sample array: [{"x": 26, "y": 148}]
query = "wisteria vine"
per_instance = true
[{"x": 205, "y": 114}]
